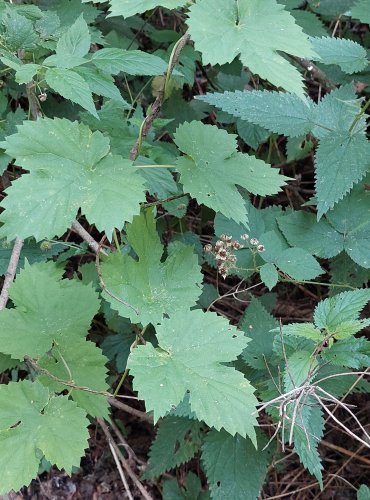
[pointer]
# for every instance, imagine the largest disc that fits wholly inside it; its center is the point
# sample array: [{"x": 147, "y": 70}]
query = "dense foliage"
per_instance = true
[{"x": 163, "y": 161}]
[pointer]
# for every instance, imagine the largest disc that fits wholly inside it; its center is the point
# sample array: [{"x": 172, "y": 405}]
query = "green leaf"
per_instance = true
[
  {"x": 71, "y": 168},
  {"x": 360, "y": 11},
  {"x": 339, "y": 314},
  {"x": 302, "y": 229},
  {"x": 177, "y": 441},
  {"x": 26, "y": 72},
  {"x": 73, "y": 45},
  {"x": 244, "y": 26},
  {"x": 364, "y": 491},
  {"x": 306, "y": 330},
  {"x": 192, "y": 349},
  {"x": 299, "y": 368},
  {"x": 351, "y": 218},
  {"x": 133, "y": 62},
  {"x": 234, "y": 468},
  {"x": 308, "y": 432},
  {"x": 81, "y": 362},
  {"x": 31, "y": 251},
  {"x": 47, "y": 311},
  {"x": 34, "y": 424},
  {"x": 269, "y": 275},
  {"x": 342, "y": 160},
  {"x": 352, "y": 352},
  {"x": 72, "y": 86},
  {"x": 211, "y": 174},
  {"x": 128, "y": 8},
  {"x": 253, "y": 135},
  {"x": 298, "y": 264},
  {"x": 349, "y": 55},
  {"x": 336, "y": 113},
  {"x": 153, "y": 288},
  {"x": 278, "y": 112},
  {"x": 345, "y": 272},
  {"x": 257, "y": 324},
  {"x": 100, "y": 83},
  {"x": 192, "y": 490},
  {"x": 309, "y": 22},
  {"x": 117, "y": 347},
  {"x": 18, "y": 32}
]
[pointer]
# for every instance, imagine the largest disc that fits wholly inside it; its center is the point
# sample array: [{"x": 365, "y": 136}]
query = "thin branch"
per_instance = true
[
  {"x": 10, "y": 272},
  {"x": 67, "y": 383},
  {"x": 132, "y": 411},
  {"x": 316, "y": 73},
  {"x": 121, "y": 473},
  {"x": 157, "y": 105},
  {"x": 81, "y": 231},
  {"x": 123, "y": 461}
]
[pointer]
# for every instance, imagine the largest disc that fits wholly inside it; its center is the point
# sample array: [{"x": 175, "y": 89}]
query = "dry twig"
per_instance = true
[
  {"x": 123, "y": 461},
  {"x": 10, "y": 273}
]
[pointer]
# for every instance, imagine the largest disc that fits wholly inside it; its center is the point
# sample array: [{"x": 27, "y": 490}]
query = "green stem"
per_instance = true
[
  {"x": 359, "y": 116},
  {"x": 125, "y": 373},
  {"x": 116, "y": 242}
]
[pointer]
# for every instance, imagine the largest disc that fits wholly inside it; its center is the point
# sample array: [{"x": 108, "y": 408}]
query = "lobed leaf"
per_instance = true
[
  {"x": 70, "y": 168},
  {"x": 34, "y": 424},
  {"x": 244, "y": 26},
  {"x": 211, "y": 175},
  {"x": 192, "y": 349},
  {"x": 153, "y": 288}
]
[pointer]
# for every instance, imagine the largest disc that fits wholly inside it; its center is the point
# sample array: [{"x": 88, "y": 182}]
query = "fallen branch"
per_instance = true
[{"x": 10, "y": 272}]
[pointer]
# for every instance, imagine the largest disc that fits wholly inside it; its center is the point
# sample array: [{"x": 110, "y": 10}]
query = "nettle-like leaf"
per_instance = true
[
  {"x": 350, "y": 218},
  {"x": 153, "y": 288},
  {"x": 256, "y": 322},
  {"x": 278, "y": 112},
  {"x": 342, "y": 157},
  {"x": 338, "y": 315},
  {"x": 308, "y": 432},
  {"x": 192, "y": 349},
  {"x": 244, "y": 26},
  {"x": 349, "y": 55},
  {"x": 32, "y": 425},
  {"x": 352, "y": 352},
  {"x": 342, "y": 160},
  {"x": 71, "y": 168},
  {"x": 234, "y": 468},
  {"x": 177, "y": 441},
  {"x": 127, "y": 8},
  {"x": 211, "y": 174}
]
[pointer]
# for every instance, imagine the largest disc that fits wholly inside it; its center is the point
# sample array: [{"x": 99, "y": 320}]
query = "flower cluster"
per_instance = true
[{"x": 224, "y": 251}]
